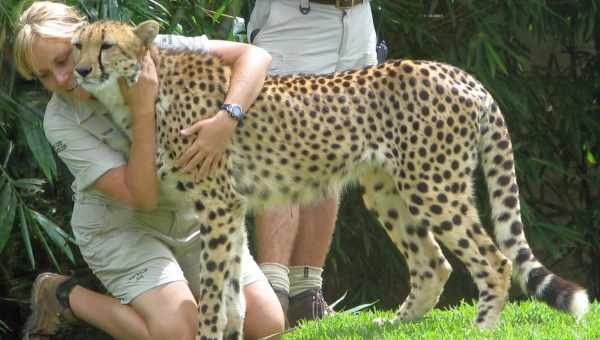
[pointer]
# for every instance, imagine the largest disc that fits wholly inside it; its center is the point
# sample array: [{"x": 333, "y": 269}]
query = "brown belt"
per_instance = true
[{"x": 341, "y": 4}]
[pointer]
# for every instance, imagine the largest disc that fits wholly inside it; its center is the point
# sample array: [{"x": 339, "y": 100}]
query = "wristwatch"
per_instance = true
[{"x": 235, "y": 112}]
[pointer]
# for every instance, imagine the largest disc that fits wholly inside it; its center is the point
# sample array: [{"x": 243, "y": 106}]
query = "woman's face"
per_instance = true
[{"x": 53, "y": 64}]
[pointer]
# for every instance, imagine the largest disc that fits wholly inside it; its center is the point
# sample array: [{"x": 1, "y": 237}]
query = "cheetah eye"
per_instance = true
[
  {"x": 77, "y": 45},
  {"x": 106, "y": 46}
]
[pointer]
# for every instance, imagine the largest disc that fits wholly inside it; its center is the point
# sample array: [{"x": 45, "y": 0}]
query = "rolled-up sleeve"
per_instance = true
[
  {"x": 87, "y": 157},
  {"x": 177, "y": 42}
]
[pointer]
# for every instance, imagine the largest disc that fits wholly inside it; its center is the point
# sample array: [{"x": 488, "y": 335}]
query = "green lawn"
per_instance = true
[{"x": 526, "y": 320}]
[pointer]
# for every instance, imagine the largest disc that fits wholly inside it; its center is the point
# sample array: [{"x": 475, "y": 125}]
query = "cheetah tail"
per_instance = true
[{"x": 498, "y": 166}]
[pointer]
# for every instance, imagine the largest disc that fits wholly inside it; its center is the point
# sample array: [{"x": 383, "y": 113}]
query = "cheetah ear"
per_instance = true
[{"x": 147, "y": 31}]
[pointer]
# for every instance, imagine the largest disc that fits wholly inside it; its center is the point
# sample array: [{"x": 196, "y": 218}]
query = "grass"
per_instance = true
[{"x": 526, "y": 320}]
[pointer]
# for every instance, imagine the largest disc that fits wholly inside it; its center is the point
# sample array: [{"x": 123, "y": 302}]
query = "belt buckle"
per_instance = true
[{"x": 346, "y": 4}]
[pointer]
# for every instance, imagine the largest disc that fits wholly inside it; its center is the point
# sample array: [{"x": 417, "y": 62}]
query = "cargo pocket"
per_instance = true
[{"x": 88, "y": 219}]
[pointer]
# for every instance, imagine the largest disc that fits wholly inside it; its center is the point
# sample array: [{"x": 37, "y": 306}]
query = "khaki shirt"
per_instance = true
[
  {"x": 90, "y": 145},
  {"x": 88, "y": 142}
]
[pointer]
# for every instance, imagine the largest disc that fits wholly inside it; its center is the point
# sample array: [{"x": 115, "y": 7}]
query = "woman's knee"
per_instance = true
[
  {"x": 271, "y": 327},
  {"x": 169, "y": 311},
  {"x": 172, "y": 329},
  {"x": 264, "y": 316}
]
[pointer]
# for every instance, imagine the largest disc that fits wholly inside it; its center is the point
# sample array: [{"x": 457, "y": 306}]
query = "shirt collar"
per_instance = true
[{"x": 84, "y": 109}]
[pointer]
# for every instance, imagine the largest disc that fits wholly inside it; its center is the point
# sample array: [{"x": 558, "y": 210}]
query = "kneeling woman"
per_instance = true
[{"x": 118, "y": 221}]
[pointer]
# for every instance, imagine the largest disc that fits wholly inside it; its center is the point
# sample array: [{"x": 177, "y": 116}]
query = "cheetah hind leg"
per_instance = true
[
  {"x": 429, "y": 269},
  {"x": 458, "y": 227}
]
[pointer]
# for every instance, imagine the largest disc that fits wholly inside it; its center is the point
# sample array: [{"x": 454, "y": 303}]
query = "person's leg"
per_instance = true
[
  {"x": 276, "y": 224},
  {"x": 169, "y": 311},
  {"x": 165, "y": 312},
  {"x": 298, "y": 43},
  {"x": 316, "y": 226},
  {"x": 317, "y": 222},
  {"x": 356, "y": 48},
  {"x": 275, "y": 235},
  {"x": 141, "y": 274},
  {"x": 264, "y": 316},
  {"x": 315, "y": 231},
  {"x": 140, "y": 320}
]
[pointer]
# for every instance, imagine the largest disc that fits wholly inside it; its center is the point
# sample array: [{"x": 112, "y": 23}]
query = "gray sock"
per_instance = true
[
  {"x": 277, "y": 274},
  {"x": 305, "y": 277}
]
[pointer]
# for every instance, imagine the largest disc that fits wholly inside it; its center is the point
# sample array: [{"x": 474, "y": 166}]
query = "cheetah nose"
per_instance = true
[{"x": 84, "y": 71}]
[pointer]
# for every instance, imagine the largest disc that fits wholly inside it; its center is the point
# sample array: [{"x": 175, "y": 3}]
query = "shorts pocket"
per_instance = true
[{"x": 88, "y": 219}]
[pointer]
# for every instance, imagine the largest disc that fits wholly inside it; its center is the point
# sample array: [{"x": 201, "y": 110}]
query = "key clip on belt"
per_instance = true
[
  {"x": 346, "y": 4},
  {"x": 339, "y": 4},
  {"x": 304, "y": 7}
]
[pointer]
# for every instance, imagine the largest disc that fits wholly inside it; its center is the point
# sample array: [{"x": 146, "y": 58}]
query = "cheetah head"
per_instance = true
[{"x": 107, "y": 50}]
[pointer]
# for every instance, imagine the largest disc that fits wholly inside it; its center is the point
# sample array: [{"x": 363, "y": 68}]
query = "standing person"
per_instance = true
[
  {"x": 118, "y": 219},
  {"x": 304, "y": 36}
]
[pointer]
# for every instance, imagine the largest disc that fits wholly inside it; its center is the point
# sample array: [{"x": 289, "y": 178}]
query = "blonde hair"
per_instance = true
[{"x": 45, "y": 19}]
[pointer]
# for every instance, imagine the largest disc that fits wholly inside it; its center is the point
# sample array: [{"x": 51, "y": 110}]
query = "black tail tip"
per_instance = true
[{"x": 557, "y": 292}]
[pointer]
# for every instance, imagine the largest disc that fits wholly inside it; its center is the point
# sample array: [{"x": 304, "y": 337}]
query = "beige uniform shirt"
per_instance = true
[{"x": 89, "y": 143}]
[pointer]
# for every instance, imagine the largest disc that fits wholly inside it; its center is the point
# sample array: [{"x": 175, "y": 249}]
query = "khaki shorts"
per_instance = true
[
  {"x": 127, "y": 251},
  {"x": 324, "y": 40}
]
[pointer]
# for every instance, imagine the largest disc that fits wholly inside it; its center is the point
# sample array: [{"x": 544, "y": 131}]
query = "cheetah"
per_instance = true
[{"x": 412, "y": 133}]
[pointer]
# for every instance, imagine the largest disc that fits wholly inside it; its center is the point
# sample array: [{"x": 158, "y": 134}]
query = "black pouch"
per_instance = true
[
  {"x": 382, "y": 51},
  {"x": 381, "y": 48}
]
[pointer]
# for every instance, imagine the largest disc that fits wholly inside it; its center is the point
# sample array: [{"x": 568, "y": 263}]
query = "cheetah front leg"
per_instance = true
[
  {"x": 235, "y": 301},
  {"x": 429, "y": 269},
  {"x": 223, "y": 236}
]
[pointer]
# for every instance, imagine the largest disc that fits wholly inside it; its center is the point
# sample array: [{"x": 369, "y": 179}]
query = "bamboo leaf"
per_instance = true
[
  {"x": 46, "y": 246},
  {"x": 8, "y": 205},
  {"x": 565, "y": 231},
  {"x": 553, "y": 166},
  {"x": 4, "y": 327},
  {"x": 25, "y": 236},
  {"x": 495, "y": 58},
  {"x": 40, "y": 148},
  {"x": 56, "y": 234},
  {"x": 31, "y": 185}
]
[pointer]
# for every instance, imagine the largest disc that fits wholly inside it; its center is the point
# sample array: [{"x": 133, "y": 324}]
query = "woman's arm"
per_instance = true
[
  {"x": 135, "y": 183},
  {"x": 249, "y": 66}
]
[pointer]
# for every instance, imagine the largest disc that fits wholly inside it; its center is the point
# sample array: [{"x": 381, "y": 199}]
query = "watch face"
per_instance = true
[{"x": 236, "y": 110}]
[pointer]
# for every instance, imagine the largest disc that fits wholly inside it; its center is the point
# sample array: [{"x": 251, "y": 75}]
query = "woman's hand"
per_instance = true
[
  {"x": 249, "y": 66},
  {"x": 141, "y": 96},
  {"x": 212, "y": 138}
]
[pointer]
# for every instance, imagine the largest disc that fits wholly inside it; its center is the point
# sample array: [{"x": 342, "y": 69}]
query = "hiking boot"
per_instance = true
[
  {"x": 49, "y": 306},
  {"x": 308, "y": 305},
  {"x": 284, "y": 300}
]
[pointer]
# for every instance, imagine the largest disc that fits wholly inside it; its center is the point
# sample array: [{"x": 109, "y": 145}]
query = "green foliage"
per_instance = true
[
  {"x": 191, "y": 17},
  {"x": 22, "y": 143},
  {"x": 527, "y": 320}
]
